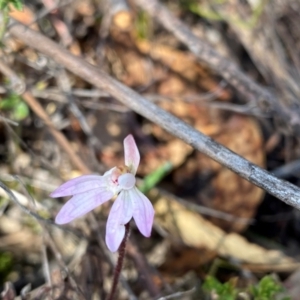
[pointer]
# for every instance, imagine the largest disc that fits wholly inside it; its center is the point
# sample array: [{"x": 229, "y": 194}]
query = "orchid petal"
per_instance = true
[
  {"x": 79, "y": 185},
  {"x": 120, "y": 214},
  {"x": 126, "y": 181},
  {"x": 131, "y": 153},
  {"x": 143, "y": 212},
  {"x": 81, "y": 204}
]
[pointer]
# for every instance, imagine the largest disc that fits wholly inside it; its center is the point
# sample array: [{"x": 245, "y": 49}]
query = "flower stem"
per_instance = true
[{"x": 119, "y": 264}]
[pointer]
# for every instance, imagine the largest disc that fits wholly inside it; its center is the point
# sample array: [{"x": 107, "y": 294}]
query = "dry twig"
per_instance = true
[
  {"x": 283, "y": 190},
  {"x": 38, "y": 109},
  {"x": 252, "y": 91},
  {"x": 60, "y": 138}
]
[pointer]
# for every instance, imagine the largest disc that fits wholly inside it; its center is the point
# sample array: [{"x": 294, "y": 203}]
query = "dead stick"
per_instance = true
[
  {"x": 247, "y": 87},
  {"x": 60, "y": 138},
  {"x": 40, "y": 112},
  {"x": 283, "y": 190}
]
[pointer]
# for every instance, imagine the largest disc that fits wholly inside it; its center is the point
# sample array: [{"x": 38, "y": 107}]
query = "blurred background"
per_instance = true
[{"x": 216, "y": 236}]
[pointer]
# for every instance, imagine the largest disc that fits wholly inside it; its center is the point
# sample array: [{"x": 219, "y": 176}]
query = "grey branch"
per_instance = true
[
  {"x": 283, "y": 190},
  {"x": 252, "y": 91}
]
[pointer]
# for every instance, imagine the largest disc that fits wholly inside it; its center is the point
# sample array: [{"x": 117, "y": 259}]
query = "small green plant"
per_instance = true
[
  {"x": 224, "y": 291},
  {"x": 17, "y": 4},
  {"x": 17, "y": 108},
  {"x": 208, "y": 11},
  {"x": 143, "y": 25},
  {"x": 5, "y": 6},
  {"x": 6, "y": 263},
  {"x": 267, "y": 289},
  {"x": 151, "y": 180}
]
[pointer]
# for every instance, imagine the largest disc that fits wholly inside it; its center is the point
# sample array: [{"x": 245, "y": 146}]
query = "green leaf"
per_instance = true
[
  {"x": 155, "y": 177},
  {"x": 225, "y": 291},
  {"x": 10, "y": 102},
  {"x": 5, "y": 261},
  {"x": 3, "y": 4},
  {"x": 20, "y": 112},
  {"x": 6, "y": 264},
  {"x": 267, "y": 289},
  {"x": 143, "y": 25},
  {"x": 16, "y": 3},
  {"x": 17, "y": 108}
]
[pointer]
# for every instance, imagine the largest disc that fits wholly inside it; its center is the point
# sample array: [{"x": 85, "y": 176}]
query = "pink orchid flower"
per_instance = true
[{"x": 89, "y": 191}]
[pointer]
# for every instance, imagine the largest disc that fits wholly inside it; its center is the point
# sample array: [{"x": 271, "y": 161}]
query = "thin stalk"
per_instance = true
[{"x": 119, "y": 264}]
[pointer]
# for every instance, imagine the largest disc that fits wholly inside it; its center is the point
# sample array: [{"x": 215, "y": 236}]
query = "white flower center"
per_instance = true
[{"x": 126, "y": 181}]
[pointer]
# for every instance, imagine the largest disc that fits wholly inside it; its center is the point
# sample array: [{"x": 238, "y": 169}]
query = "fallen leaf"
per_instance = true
[{"x": 188, "y": 228}]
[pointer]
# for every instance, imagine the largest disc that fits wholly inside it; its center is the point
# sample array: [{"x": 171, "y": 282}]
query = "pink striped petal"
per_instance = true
[
  {"x": 81, "y": 204},
  {"x": 131, "y": 153},
  {"x": 143, "y": 212},
  {"x": 120, "y": 214},
  {"x": 79, "y": 185}
]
